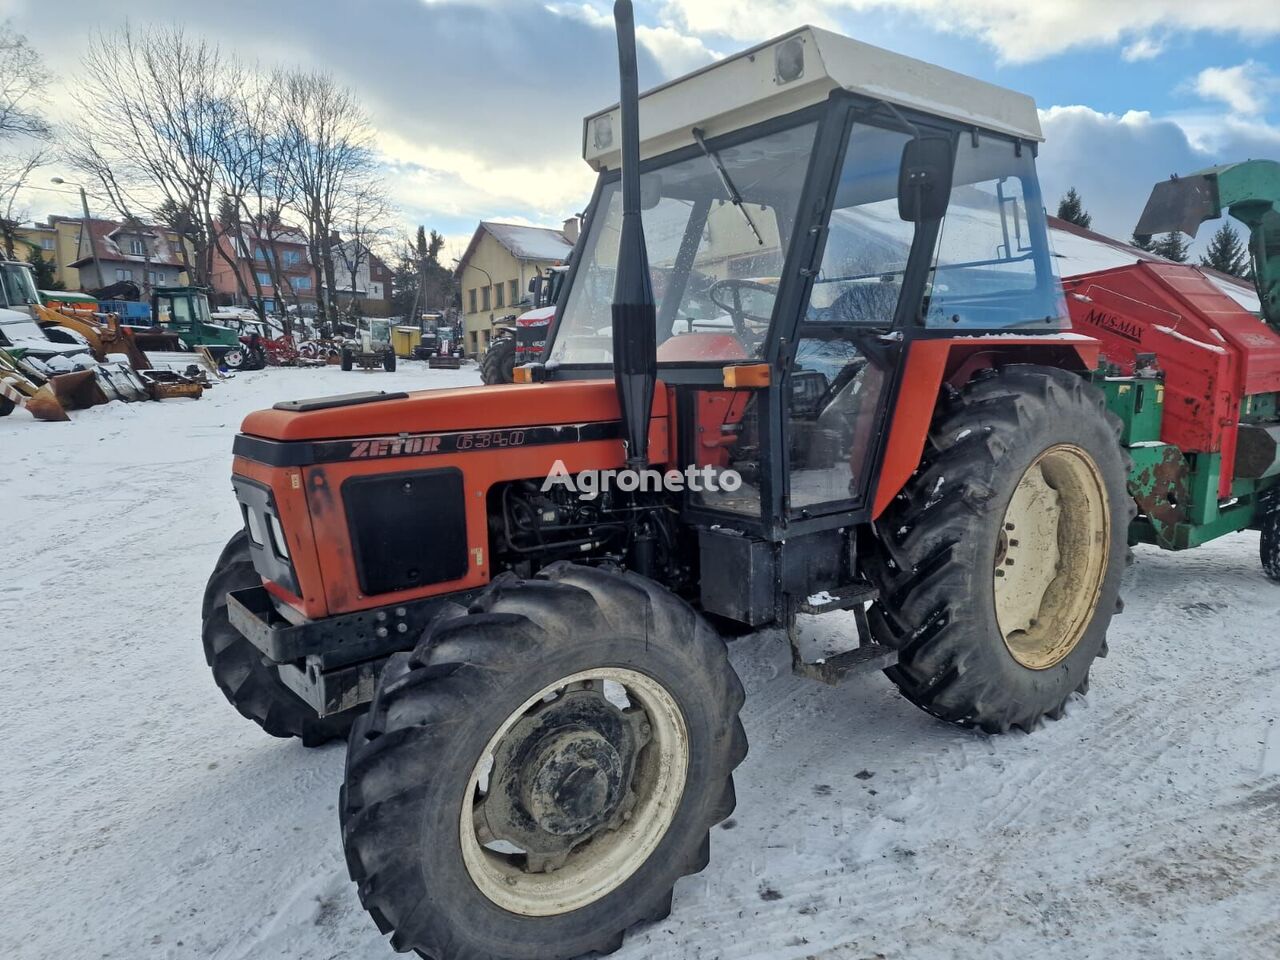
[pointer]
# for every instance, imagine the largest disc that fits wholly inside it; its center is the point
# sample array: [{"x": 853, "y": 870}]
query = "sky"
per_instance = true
[{"x": 478, "y": 103}]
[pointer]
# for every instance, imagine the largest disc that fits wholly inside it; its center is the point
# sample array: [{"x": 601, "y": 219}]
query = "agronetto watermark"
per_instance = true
[{"x": 589, "y": 484}]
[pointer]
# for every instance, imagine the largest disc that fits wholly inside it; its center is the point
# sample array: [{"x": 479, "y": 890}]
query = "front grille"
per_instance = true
[{"x": 407, "y": 529}]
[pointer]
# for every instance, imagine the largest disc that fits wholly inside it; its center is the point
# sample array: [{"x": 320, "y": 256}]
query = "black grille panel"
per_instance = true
[{"x": 407, "y": 529}]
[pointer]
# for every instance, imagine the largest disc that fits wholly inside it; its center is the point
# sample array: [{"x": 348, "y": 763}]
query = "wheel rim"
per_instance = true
[
  {"x": 233, "y": 358},
  {"x": 582, "y": 825},
  {"x": 1051, "y": 556}
]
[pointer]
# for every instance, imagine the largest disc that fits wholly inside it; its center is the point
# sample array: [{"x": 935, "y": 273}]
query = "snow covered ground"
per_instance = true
[{"x": 142, "y": 817}]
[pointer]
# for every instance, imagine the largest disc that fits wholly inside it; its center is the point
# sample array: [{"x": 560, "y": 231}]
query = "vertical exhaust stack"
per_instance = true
[{"x": 635, "y": 361}]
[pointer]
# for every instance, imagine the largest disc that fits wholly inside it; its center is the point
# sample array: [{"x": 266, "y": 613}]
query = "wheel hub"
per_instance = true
[
  {"x": 561, "y": 776},
  {"x": 573, "y": 783}
]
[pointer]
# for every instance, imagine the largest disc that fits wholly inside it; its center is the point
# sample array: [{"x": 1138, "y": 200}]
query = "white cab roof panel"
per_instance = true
[{"x": 793, "y": 71}]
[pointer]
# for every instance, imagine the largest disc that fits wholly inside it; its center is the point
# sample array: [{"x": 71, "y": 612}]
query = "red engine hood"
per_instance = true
[{"x": 465, "y": 408}]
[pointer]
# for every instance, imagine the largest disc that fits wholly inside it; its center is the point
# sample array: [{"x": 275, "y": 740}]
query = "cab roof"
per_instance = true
[{"x": 796, "y": 70}]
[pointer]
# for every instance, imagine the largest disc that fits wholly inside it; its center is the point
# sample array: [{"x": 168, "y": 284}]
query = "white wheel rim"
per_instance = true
[
  {"x": 609, "y": 859},
  {"x": 1051, "y": 556}
]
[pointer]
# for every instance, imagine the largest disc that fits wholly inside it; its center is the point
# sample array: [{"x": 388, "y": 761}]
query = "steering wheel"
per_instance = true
[{"x": 727, "y": 295}]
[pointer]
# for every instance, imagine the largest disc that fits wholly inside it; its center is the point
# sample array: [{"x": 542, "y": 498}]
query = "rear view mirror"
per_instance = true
[{"x": 924, "y": 178}]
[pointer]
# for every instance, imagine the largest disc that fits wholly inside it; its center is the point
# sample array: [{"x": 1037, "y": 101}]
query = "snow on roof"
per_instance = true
[
  {"x": 1077, "y": 250},
  {"x": 530, "y": 243}
]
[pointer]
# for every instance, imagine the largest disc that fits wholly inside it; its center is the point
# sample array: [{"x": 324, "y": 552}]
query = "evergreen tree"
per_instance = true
[
  {"x": 1227, "y": 252},
  {"x": 45, "y": 271},
  {"x": 1172, "y": 246},
  {"x": 1143, "y": 243},
  {"x": 1071, "y": 209}
]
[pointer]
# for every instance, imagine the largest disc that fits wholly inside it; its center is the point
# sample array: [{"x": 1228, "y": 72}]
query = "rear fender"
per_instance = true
[{"x": 931, "y": 363}]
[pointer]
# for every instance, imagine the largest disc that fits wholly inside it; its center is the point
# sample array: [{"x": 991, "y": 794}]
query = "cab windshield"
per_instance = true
[
  {"x": 16, "y": 286},
  {"x": 715, "y": 263}
]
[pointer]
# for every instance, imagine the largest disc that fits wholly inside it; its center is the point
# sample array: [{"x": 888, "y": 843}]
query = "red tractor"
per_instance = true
[
  {"x": 802, "y": 395},
  {"x": 524, "y": 340}
]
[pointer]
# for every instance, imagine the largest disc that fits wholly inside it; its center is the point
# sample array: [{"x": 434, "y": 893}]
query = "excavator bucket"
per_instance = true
[
  {"x": 77, "y": 390},
  {"x": 44, "y": 404},
  {"x": 1180, "y": 205}
]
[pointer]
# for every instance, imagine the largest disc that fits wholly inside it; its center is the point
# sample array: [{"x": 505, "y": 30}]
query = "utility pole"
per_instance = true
[{"x": 86, "y": 230}]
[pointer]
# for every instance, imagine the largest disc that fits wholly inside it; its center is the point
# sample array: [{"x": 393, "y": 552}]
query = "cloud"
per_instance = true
[
  {"x": 1144, "y": 48},
  {"x": 1114, "y": 160},
  {"x": 1244, "y": 88},
  {"x": 1019, "y": 30},
  {"x": 677, "y": 53}
]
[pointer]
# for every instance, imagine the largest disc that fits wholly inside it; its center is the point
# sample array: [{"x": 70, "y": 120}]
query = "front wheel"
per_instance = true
[
  {"x": 249, "y": 681},
  {"x": 389, "y": 362},
  {"x": 534, "y": 778},
  {"x": 1269, "y": 539},
  {"x": 346, "y": 359},
  {"x": 498, "y": 365},
  {"x": 999, "y": 565},
  {"x": 234, "y": 359}
]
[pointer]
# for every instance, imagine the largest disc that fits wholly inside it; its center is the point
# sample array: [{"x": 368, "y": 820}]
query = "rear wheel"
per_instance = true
[
  {"x": 534, "y": 778},
  {"x": 1269, "y": 540},
  {"x": 346, "y": 360},
  {"x": 234, "y": 359},
  {"x": 498, "y": 364},
  {"x": 389, "y": 362},
  {"x": 999, "y": 564},
  {"x": 246, "y": 678}
]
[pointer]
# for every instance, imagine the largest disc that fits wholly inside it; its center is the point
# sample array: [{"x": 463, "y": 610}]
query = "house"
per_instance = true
[
  {"x": 495, "y": 271},
  {"x": 370, "y": 287},
  {"x": 58, "y": 240},
  {"x": 243, "y": 269},
  {"x": 111, "y": 252}
]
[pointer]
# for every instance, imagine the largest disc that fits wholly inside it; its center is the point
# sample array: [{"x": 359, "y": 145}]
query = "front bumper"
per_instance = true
[{"x": 333, "y": 664}]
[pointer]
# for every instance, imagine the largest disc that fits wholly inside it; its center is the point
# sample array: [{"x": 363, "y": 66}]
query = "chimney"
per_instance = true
[{"x": 572, "y": 227}]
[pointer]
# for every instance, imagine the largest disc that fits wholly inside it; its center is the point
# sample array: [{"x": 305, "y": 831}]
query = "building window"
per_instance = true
[
  {"x": 498, "y": 291},
  {"x": 264, "y": 280},
  {"x": 471, "y": 300},
  {"x": 484, "y": 298},
  {"x": 47, "y": 243},
  {"x": 135, "y": 247},
  {"x": 259, "y": 254},
  {"x": 301, "y": 283},
  {"x": 515, "y": 291},
  {"x": 291, "y": 257},
  {"x": 124, "y": 274}
]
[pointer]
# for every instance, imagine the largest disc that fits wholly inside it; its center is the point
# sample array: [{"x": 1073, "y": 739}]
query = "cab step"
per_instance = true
[{"x": 867, "y": 657}]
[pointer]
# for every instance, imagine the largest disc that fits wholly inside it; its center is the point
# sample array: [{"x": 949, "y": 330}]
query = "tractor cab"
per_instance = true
[
  {"x": 184, "y": 311},
  {"x": 838, "y": 204}
]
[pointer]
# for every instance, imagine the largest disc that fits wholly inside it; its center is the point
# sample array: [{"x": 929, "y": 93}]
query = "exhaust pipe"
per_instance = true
[{"x": 635, "y": 360}]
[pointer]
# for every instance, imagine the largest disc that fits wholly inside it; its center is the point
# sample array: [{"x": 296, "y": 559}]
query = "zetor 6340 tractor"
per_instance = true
[{"x": 847, "y": 312}]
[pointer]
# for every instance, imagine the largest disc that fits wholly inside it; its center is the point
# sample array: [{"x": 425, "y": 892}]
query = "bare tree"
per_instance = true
[
  {"x": 23, "y": 82},
  {"x": 153, "y": 110},
  {"x": 328, "y": 145},
  {"x": 15, "y": 174},
  {"x": 365, "y": 226}
]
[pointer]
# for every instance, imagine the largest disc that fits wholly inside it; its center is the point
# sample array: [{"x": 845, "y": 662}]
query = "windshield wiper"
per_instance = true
[{"x": 734, "y": 196}]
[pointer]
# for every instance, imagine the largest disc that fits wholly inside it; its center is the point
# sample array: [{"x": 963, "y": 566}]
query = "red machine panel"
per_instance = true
[{"x": 1213, "y": 352}]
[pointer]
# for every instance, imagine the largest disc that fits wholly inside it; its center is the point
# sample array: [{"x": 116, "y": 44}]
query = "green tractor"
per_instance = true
[{"x": 184, "y": 313}]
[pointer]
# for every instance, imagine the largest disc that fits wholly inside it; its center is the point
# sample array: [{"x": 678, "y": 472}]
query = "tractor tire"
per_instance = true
[
  {"x": 522, "y": 675},
  {"x": 1269, "y": 540},
  {"x": 346, "y": 360},
  {"x": 235, "y": 359},
  {"x": 389, "y": 362},
  {"x": 6, "y": 406},
  {"x": 999, "y": 564},
  {"x": 248, "y": 680},
  {"x": 498, "y": 365}
]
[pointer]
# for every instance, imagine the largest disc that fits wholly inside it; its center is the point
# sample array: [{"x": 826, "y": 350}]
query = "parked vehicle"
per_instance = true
[
  {"x": 184, "y": 313},
  {"x": 371, "y": 347},
  {"x": 893, "y": 419},
  {"x": 524, "y": 338}
]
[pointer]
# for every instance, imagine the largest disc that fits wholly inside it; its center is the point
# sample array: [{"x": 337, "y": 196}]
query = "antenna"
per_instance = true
[{"x": 635, "y": 361}]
